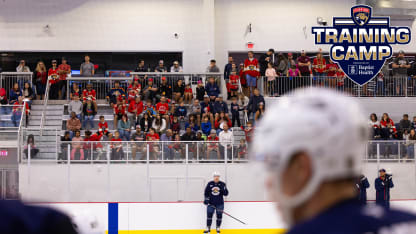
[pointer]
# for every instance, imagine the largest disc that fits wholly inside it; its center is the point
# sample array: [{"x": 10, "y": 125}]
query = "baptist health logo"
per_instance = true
[{"x": 361, "y": 43}]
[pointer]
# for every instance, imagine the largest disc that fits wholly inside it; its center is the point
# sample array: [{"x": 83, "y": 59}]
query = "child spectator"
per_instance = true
[
  {"x": 75, "y": 105},
  {"x": 77, "y": 147},
  {"x": 17, "y": 111},
  {"x": 14, "y": 93},
  {"x": 248, "y": 131},
  {"x": 200, "y": 91},
  {"x": 135, "y": 109},
  {"x": 159, "y": 124},
  {"x": 178, "y": 90},
  {"x": 212, "y": 144},
  {"x": 73, "y": 124},
  {"x": 116, "y": 94},
  {"x": 149, "y": 108},
  {"x": 206, "y": 126},
  {"x": 181, "y": 111},
  {"x": 89, "y": 93},
  {"x": 119, "y": 111},
  {"x": 75, "y": 91},
  {"x": 271, "y": 79},
  {"x": 235, "y": 112},
  {"x": 175, "y": 126},
  {"x": 293, "y": 71},
  {"x": 234, "y": 81},
  {"x": 116, "y": 146},
  {"x": 188, "y": 94},
  {"x": 87, "y": 146},
  {"x": 89, "y": 111},
  {"x": 31, "y": 144},
  {"x": 242, "y": 149},
  {"x": 134, "y": 90},
  {"x": 145, "y": 122},
  {"x": 102, "y": 126},
  {"x": 123, "y": 128},
  {"x": 212, "y": 89}
]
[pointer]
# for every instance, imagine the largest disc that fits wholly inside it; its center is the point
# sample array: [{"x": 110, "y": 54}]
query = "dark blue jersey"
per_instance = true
[
  {"x": 215, "y": 192},
  {"x": 350, "y": 217},
  {"x": 16, "y": 218}
]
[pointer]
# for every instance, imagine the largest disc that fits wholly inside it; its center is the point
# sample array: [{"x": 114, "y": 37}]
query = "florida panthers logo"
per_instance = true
[
  {"x": 361, "y": 14},
  {"x": 215, "y": 191}
]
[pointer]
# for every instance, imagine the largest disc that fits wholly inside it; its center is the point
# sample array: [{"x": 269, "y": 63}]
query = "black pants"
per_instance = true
[
  {"x": 54, "y": 91},
  {"x": 33, "y": 153},
  {"x": 235, "y": 117},
  {"x": 117, "y": 155}
]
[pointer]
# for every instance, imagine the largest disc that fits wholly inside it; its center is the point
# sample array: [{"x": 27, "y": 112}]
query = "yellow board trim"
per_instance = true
[{"x": 223, "y": 231}]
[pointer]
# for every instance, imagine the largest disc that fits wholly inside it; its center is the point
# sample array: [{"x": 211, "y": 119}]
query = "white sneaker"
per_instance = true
[
  {"x": 207, "y": 230},
  {"x": 218, "y": 230}
]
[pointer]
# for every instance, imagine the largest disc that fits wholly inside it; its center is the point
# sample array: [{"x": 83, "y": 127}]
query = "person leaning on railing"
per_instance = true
[
  {"x": 64, "y": 146},
  {"x": 137, "y": 144},
  {"x": 77, "y": 151},
  {"x": 73, "y": 124}
]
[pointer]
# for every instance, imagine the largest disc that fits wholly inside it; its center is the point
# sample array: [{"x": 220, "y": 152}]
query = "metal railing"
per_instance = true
[
  {"x": 8, "y": 79},
  {"x": 392, "y": 86},
  {"x": 45, "y": 107}
]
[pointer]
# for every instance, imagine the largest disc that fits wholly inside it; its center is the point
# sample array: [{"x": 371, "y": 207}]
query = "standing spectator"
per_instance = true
[
  {"x": 234, "y": 80},
  {"x": 405, "y": 124},
  {"x": 282, "y": 65},
  {"x": 64, "y": 70},
  {"x": 271, "y": 80},
  {"x": 319, "y": 65},
  {"x": 212, "y": 89},
  {"x": 362, "y": 186},
  {"x": 380, "y": 78},
  {"x": 64, "y": 146},
  {"x": 304, "y": 63},
  {"x": 135, "y": 109},
  {"x": 116, "y": 146},
  {"x": 212, "y": 68},
  {"x": 75, "y": 105},
  {"x": 137, "y": 145},
  {"x": 226, "y": 138},
  {"x": 161, "y": 67},
  {"x": 200, "y": 91},
  {"x": 291, "y": 61},
  {"x": 188, "y": 94},
  {"x": 22, "y": 67},
  {"x": 53, "y": 80},
  {"x": 331, "y": 69},
  {"x": 77, "y": 152},
  {"x": 176, "y": 67},
  {"x": 265, "y": 59},
  {"x": 123, "y": 127},
  {"x": 259, "y": 112},
  {"x": 40, "y": 79},
  {"x": 159, "y": 124},
  {"x": 253, "y": 104},
  {"x": 178, "y": 90},
  {"x": 400, "y": 66},
  {"x": 235, "y": 112},
  {"x": 383, "y": 184},
  {"x": 165, "y": 89},
  {"x": 73, "y": 124},
  {"x": 228, "y": 68},
  {"x": 15, "y": 93},
  {"x": 31, "y": 144},
  {"x": 89, "y": 111},
  {"x": 251, "y": 70},
  {"x": 150, "y": 90},
  {"x": 212, "y": 144},
  {"x": 87, "y": 68}
]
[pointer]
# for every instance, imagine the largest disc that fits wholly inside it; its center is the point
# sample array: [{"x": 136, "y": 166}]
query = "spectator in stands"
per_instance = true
[
  {"x": 176, "y": 67},
  {"x": 212, "y": 144},
  {"x": 15, "y": 93},
  {"x": 220, "y": 120},
  {"x": 137, "y": 145},
  {"x": 152, "y": 136},
  {"x": 235, "y": 112},
  {"x": 405, "y": 124},
  {"x": 220, "y": 106},
  {"x": 388, "y": 129},
  {"x": 374, "y": 125},
  {"x": 87, "y": 68},
  {"x": 119, "y": 111},
  {"x": 181, "y": 111},
  {"x": 75, "y": 105},
  {"x": 188, "y": 94},
  {"x": 228, "y": 67},
  {"x": 140, "y": 67},
  {"x": 304, "y": 63},
  {"x": 159, "y": 124},
  {"x": 200, "y": 91},
  {"x": 89, "y": 111},
  {"x": 192, "y": 123},
  {"x": 196, "y": 110},
  {"x": 161, "y": 67},
  {"x": 400, "y": 66},
  {"x": 28, "y": 93},
  {"x": 248, "y": 131},
  {"x": 40, "y": 79},
  {"x": 282, "y": 65},
  {"x": 251, "y": 71},
  {"x": 165, "y": 89},
  {"x": 265, "y": 59},
  {"x": 75, "y": 91},
  {"x": 64, "y": 69},
  {"x": 22, "y": 67},
  {"x": 31, "y": 144},
  {"x": 259, "y": 112},
  {"x": 414, "y": 122},
  {"x": 162, "y": 108},
  {"x": 234, "y": 81},
  {"x": 242, "y": 149},
  {"x": 90, "y": 93},
  {"x": 123, "y": 128},
  {"x": 178, "y": 147},
  {"x": 167, "y": 148},
  {"x": 331, "y": 69},
  {"x": 175, "y": 125},
  {"x": 53, "y": 80},
  {"x": 291, "y": 61},
  {"x": 213, "y": 68},
  {"x": 134, "y": 89},
  {"x": 253, "y": 103},
  {"x": 77, "y": 152},
  {"x": 271, "y": 75},
  {"x": 116, "y": 146},
  {"x": 149, "y": 108},
  {"x": 178, "y": 90},
  {"x": 226, "y": 138},
  {"x": 3, "y": 101},
  {"x": 410, "y": 144},
  {"x": 189, "y": 135},
  {"x": 102, "y": 126},
  {"x": 87, "y": 146},
  {"x": 98, "y": 149},
  {"x": 135, "y": 109},
  {"x": 145, "y": 122},
  {"x": 73, "y": 124},
  {"x": 319, "y": 66},
  {"x": 243, "y": 80},
  {"x": 206, "y": 126},
  {"x": 206, "y": 108},
  {"x": 116, "y": 94},
  {"x": 64, "y": 146},
  {"x": 380, "y": 78},
  {"x": 17, "y": 111},
  {"x": 150, "y": 90},
  {"x": 212, "y": 89}
]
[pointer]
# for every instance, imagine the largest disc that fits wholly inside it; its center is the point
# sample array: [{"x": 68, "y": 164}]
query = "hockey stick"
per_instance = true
[{"x": 230, "y": 215}]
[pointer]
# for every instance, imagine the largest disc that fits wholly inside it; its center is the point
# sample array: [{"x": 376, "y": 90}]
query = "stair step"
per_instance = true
[
  {"x": 48, "y": 112},
  {"x": 48, "y": 107},
  {"x": 47, "y": 123},
  {"x": 48, "y": 117}
]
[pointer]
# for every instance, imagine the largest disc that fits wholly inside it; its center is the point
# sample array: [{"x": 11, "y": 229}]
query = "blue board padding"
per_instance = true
[{"x": 112, "y": 218}]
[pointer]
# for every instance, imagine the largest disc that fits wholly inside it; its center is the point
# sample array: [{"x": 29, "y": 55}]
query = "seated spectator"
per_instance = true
[
  {"x": 40, "y": 78},
  {"x": 212, "y": 144},
  {"x": 235, "y": 112},
  {"x": 178, "y": 147},
  {"x": 175, "y": 126},
  {"x": 212, "y": 89},
  {"x": 226, "y": 138},
  {"x": 192, "y": 123},
  {"x": 53, "y": 78},
  {"x": 64, "y": 146},
  {"x": 196, "y": 110},
  {"x": 119, "y": 110},
  {"x": 102, "y": 126},
  {"x": 221, "y": 120},
  {"x": 73, "y": 124},
  {"x": 410, "y": 144},
  {"x": 150, "y": 109},
  {"x": 405, "y": 123},
  {"x": 414, "y": 122},
  {"x": 116, "y": 146},
  {"x": 188, "y": 94},
  {"x": 206, "y": 126},
  {"x": 116, "y": 94},
  {"x": 135, "y": 109},
  {"x": 123, "y": 128},
  {"x": 213, "y": 66},
  {"x": 188, "y": 135},
  {"x": 134, "y": 90},
  {"x": 137, "y": 145},
  {"x": 22, "y": 67},
  {"x": 165, "y": 89},
  {"x": 374, "y": 125},
  {"x": 178, "y": 90},
  {"x": 206, "y": 108},
  {"x": 31, "y": 144},
  {"x": 28, "y": 93},
  {"x": 242, "y": 149},
  {"x": 200, "y": 91},
  {"x": 154, "y": 150},
  {"x": 176, "y": 67},
  {"x": 168, "y": 146},
  {"x": 162, "y": 108},
  {"x": 89, "y": 111},
  {"x": 145, "y": 122},
  {"x": 259, "y": 112},
  {"x": 150, "y": 90},
  {"x": 90, "y": 93},
  {"x": 161, "y": 67},
  {"x": 181, "y": 111},
  {"x": 159, "y": 124},
  {"x": 98, "y": 149},
  {"x": 17, "y": 111},
  {"x": 3, "y": 101},
  {"x": 253, "y": 104},
  {"x": 220, "y": 106},
  {"x": 388, "y": 129},
  {"x": 14, "y": 93},
  {"x": 75, "y": 91},
  {"x": 77, "y": 152},
  {"x": 75, "y": 105}
]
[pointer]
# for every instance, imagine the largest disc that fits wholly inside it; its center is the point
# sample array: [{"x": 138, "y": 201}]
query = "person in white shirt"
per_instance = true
[
  {"x": 226, "y": 138},
  {"x": 75, "y": 105},
  {"x": 22, "y": 67},
  {"x": 176, "y": 67}
]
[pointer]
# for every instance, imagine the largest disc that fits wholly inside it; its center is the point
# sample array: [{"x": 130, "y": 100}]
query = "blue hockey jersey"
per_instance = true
[
  {"x": 215, "y": 192},
  {"x": 350, "y": 217}
]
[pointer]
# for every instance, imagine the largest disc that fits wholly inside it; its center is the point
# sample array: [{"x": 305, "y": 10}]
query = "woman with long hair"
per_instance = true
[
  {"x": 31, "y": 144},
  {"x": 159, "y": 124},
  {"x": 15, "y": 93},
  {"x": 40, "y": 79},
  {"x": 27, "y": 93}
]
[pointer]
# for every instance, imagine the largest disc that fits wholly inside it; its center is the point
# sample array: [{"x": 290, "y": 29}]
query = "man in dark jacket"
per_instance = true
[
  {"x": 227, "y": 68},
  {"x": 253, "y": 103},
  {"x": 220, "y": 106},
  {"x": 362, "y": 186},
  {"x": 383, "y": 185},
  {"x": 212, "y": 89},
  {"x": 265, "y": 59}
]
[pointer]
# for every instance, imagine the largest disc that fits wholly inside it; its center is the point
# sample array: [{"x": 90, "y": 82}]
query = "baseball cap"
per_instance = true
[
  {"x": 163, "y": 77},
  {"x": 54, "y": 61},
  {"x": 220, "y": 95},
  {"x": 271, "y": 50},
  {"x": 382, "y": 170},
  {"x": 150, "y": 79},
  {"x": 199, "y": 81},
  {"x": 290, "y": 54},
  {"x": 213, "y": 131},
  {"x": 206, "y": 96}
]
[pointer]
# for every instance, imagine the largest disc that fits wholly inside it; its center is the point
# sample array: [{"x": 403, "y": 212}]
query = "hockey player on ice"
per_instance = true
[
  {"x": 214, "y": 200},
  {"x": 313, "y": 167}
]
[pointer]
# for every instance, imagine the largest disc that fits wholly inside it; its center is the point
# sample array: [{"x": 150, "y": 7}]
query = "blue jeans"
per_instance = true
[
  {"x": 16, "y": 119},
  {"x": 88, "y": 119},
  {"x": 124, "y": 134},
  {"x": 380, "y": 89},
  {"x": 251, "y": 81}
]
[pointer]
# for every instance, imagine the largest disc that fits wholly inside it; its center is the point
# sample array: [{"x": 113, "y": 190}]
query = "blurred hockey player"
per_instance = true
[
  {"x": 214, "y": 199},
  {"x": 383, "y": 185},
  {"x": 362, "y": 185},
  {"x": 313, "y": 166}
]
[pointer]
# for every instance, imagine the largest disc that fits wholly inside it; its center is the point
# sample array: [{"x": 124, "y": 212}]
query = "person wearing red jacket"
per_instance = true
[
  {"x": 102, "y": 126},
  {"x": 89, "y": 92},
  {"x": 135, "y": 109},
  {"x": 53, "y": 77},
  {"x": 319, "y": 68},
  {"x": 153, "y": 148},
  {"x": 234, "y": 81},
  {"x": 17, "y": 111},
  {"x": 388, "y": 129},
  {"x": 119, "y": 111},
  {"x": 97, "y": 146},
  {"x": 251, "y": 70},
  {"x": 162, "y": 108},
  {"x": 134, "y": 90}
]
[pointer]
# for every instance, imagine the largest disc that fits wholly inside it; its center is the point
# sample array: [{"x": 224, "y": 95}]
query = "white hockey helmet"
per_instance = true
[
  {"x": 216, "y": 173},
  {"x": 329, "y": 127}
]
